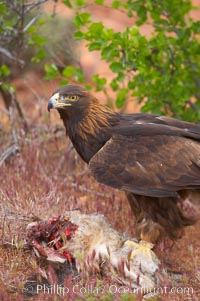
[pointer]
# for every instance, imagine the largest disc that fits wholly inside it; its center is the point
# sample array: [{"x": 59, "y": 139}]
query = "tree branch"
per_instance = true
[{"x": 11, "y": 150}]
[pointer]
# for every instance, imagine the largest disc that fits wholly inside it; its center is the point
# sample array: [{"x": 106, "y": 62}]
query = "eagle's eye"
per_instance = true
[{"x": 73, "y": 97}]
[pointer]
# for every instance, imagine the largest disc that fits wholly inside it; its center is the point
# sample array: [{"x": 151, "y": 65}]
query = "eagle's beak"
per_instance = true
[{"x": 54, "y": 102}]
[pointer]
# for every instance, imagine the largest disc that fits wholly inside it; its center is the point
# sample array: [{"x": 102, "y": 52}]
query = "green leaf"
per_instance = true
[
  {"x": 116, "y": 67},
  {"x": 114, "y": 85},
  {"x": 67, "y": 3},
  {"x": 100, "y": 2},
  {"x": 4, "y": 71},
  {"x": 69, "y": 71},
  {"x": 96, "y": 28},
  {"x": 121, "y": 97},
  {"x": 94, "y": 46},
  {"x": 41, "y": 54},
  {"x": 196, "y": 27},
  {"x": 80, "y": 3},
  {"x": 134, "y": 30},
  {"x": 100, "y": 82},
  {"x": 81, "y": 19},
  {"x": 51, "y": 71},
  {"x": 121, "y": 77},
  {"x": 142, "y": 12},
  {"x": 109, "y": 53},
  {"x": 116, "y": 3},
  {"x": 88, "y": 87},
  {"x": 131, "y": 84},
  {"x": 79, "y": 76},
  {"x": 63, "y": 83},
  {"x": 78, "y": 35},
  {"x": 8, "y": 87},
  {"x": 37, "y": 40},
  {"x": 2, "y": 8}
]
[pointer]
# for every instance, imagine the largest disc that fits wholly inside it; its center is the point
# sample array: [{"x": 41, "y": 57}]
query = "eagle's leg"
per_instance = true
[
  {"x": 147, "y": 238},
  {"x": 157, "y": 218}
]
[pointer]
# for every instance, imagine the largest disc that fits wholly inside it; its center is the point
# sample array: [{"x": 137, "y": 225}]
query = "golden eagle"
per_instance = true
[{"x": 154, "y": 159}]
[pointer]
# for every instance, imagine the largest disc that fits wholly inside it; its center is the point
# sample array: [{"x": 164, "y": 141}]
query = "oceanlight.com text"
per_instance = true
[{"x": 112, "y": 289}]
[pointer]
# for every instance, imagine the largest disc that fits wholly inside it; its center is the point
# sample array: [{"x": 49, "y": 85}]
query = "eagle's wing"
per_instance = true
[{"x": 154, "y": 165}]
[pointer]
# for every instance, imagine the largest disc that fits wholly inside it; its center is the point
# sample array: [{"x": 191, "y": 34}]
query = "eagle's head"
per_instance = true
[
  {"x": 71, "y": 98},
  {"x": 87, "y": 122}
]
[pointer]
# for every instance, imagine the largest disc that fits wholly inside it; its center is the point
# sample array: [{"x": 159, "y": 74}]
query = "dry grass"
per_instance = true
[{"x": 46, "y": 178}]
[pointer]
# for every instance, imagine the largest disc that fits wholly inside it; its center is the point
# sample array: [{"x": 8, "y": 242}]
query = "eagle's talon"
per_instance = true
[{"x": 143, "y": 247}]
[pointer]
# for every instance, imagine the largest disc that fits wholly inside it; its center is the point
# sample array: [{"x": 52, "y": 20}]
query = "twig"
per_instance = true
[
  {"x": 33, "y": 5},
  {"x": 11, "y": 150},
  {"x": 30, "y": 23},
  {"x": 7, "y": 53},
  {"x": 8, "y": 152}
]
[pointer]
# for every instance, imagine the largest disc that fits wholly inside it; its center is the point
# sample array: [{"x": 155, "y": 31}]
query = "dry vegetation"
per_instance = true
[{"x": 45, "y": 178}]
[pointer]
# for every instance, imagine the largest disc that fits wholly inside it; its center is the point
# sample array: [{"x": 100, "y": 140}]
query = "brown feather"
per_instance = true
[
  {"x": 152, "y": 158},
  {"x": 97, "y": 119}
]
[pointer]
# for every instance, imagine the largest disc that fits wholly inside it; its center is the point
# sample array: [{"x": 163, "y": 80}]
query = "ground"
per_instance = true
[{"x": 45, "y": 178}]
